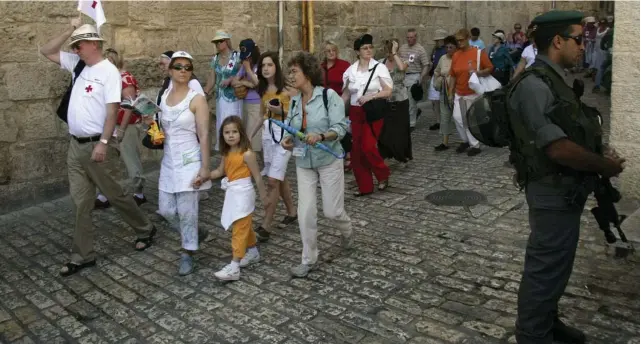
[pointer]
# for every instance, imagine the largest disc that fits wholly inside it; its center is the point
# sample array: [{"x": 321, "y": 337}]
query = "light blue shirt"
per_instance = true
[
  {"x": 319, "y": 121},
  {"x": 478, "y": 43}
]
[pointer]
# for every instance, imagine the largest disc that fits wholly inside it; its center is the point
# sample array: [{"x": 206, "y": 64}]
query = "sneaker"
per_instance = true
[
  {"x": 302, "y": 270},
  {"x": 563, "y": 333},
  {"x": 250, "y": 258},
  {"x": 140, "y": 200},
  {"x": 202, "y": 235},
  {"x": 441, "y": 147},
  {"x": 98, "y": 204},
  {"x": 473, "y": 151},
  {"x": 186, "y": 265},
  {"x": 462, "y": 147},
  {"x": 347, "y": 242},
  {"x": 228, "y": 273},
  {"x": 262, "y": 234},
  {"x": 287, "y": 220},
  {"x": 435, "y": 126}
]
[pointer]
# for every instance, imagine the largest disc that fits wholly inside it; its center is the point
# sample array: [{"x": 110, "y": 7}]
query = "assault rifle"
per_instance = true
[{"x": 606, "y": 195}]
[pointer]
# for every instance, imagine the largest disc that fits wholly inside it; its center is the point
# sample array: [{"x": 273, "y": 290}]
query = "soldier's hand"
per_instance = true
[{"x": 615, "y": 166}]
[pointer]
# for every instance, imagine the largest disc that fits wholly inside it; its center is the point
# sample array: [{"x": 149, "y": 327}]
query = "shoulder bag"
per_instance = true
[
  {"x": 375, "y": 109},
  {"x": 484, "y": 84}
]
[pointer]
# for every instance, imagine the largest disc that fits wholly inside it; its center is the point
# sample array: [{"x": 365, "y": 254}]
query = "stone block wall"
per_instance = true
[{"x": 33, "y": 141}]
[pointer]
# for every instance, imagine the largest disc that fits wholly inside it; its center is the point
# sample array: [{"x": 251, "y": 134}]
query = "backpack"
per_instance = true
[{"x": 63, "y": 108}]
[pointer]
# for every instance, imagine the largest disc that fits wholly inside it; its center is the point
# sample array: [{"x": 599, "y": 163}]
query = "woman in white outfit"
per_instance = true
[
  {"x": 224, "y": 68},
  {"x": 185, "y": 121}
]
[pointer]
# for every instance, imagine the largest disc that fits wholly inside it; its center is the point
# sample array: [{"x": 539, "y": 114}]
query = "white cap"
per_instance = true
[
  {"x": 182, "y": 54},
  {"x": 499, "y": 35},
  {"x": 86, "y": 32}
]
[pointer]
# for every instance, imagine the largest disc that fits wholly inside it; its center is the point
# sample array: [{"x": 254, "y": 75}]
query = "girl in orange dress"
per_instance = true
[{"x": 238, "y": 165}]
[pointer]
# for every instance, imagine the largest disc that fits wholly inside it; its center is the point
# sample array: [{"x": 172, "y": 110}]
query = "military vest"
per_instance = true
[{"x": 579, "y": 122}]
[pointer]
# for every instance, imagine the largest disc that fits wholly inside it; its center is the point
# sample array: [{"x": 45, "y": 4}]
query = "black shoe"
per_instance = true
[
  {"x": 418, "y": 113},
  {"x": 262, "y": 235},
  {"x": 435, "y": 126},
  {"x": 473, "y": 151},
  {"x": 563, "y": 333},
  {"x": 441, "y": 147},
  {"x": 98, "y": 204},
  {"x": 287, "y": 220},
  {"x": 462, "y": 147},
  {"x": 140, "y": 201},
  {"x": 411, "y": 129}
]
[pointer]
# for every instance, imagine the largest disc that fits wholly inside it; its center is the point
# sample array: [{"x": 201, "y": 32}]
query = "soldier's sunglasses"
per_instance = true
[
  {"x": 578, "y": 38},
  {"x": 178, "y": 66}
]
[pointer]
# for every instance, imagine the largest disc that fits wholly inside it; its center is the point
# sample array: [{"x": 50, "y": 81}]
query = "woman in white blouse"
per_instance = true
[{"x": 365, "y": 156}]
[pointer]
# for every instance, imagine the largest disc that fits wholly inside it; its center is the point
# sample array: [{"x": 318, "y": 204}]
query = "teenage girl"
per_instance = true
[{"x": 238, "y": 165}]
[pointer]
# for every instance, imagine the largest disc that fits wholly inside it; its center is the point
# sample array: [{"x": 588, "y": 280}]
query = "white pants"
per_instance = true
[
  {"x": 461, "y": 104},
  {"x": 332, "y": 182},
  {"x": 411, "y": 79},
  {"x": 275, "y": 156},
  {"x": 181, "y": 211}
]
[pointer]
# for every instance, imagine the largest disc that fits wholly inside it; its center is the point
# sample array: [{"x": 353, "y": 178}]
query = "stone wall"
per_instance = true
[
  {"x": 624, "y": 122},
  {"x": 33, "y": 141}
]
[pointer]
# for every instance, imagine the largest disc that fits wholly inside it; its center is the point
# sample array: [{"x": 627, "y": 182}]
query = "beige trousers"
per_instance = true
[
  {"x": 84, "y": 176},
  {"x": 253, "y": 118}
]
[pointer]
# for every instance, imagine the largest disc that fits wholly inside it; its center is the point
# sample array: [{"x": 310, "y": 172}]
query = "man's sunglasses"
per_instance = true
[
  {"x": 178, "y": 66},
  {"x": 578, "y": 39}
]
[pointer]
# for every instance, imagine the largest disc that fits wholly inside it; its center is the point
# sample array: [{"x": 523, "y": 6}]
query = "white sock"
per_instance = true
[
  {"x": 139, "y": 195},
  {"x": 102, "y": 198},
  {"x": 235, "y": 265},
  {"x": 253, "y": 250}
]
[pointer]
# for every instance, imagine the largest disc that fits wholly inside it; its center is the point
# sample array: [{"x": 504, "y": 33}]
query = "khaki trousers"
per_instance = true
[
  {"x": 84, "y": 176},
  {"x": 253, "y": 118}
]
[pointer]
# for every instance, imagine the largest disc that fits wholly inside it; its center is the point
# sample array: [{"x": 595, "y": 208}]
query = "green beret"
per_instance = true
[{"x": 556, "y": 18}]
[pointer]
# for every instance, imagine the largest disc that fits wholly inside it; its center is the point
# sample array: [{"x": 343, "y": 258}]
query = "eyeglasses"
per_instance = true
[
  {"x": 178, "y": 66},
  {"x": 517, "y": 28},
  {"x": 578, "y": 38},
  {"x": 75, "y": 46}
]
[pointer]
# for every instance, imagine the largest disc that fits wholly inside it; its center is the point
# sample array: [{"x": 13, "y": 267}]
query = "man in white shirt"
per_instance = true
[{"x": 91, "y": 116}]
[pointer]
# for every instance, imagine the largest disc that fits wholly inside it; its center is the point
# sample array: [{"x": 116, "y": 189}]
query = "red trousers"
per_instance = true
[{"x": 365, "y": 156}]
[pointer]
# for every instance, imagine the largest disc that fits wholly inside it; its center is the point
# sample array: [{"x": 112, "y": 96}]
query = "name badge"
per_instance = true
[{"x": 299, "y": 149}]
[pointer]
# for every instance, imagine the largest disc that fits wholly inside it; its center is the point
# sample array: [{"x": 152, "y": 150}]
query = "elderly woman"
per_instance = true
[
  {"x": 185, "y": 122},
  {"x": 464, "y": 63},
  {"x": 333, "y": 70},
  {"x": 307, "y": 113},
  {"x": 366, "y": 158},
  {"x": 127, "y": 134},
  {"x": 432, "y": 94},
  {"x": 224, "y": 67},
  {"x": 500, "y": 57},
  {"x": 442, "y": 80},
  {"x": 247, "y": 80},
  {"x": 395, "y": 140}
]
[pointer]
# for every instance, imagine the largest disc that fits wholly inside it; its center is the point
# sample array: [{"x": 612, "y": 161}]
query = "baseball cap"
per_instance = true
[{"x": 246, "y": 48}]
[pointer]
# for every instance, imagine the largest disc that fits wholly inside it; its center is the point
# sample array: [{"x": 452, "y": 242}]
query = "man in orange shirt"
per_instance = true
[{"x": 464, "y": 63}]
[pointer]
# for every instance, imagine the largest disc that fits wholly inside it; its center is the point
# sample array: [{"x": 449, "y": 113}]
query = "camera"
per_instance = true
[{"x": 274, "y": 102}]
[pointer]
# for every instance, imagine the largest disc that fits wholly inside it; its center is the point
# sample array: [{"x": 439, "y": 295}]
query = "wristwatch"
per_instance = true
[{"x": 103, "y": 141}]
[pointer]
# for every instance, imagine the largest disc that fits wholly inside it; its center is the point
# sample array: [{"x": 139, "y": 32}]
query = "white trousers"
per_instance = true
[
  {"x": 180, "y": 209},
  {"x": 461, "y": 104},
  {"x": 332, "y": 183}
]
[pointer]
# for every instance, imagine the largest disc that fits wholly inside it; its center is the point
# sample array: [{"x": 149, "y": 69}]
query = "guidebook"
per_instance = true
[{"x": 141, "y": 106}]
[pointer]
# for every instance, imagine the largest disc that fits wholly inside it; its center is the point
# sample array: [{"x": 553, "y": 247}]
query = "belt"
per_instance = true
[{"x": 87, "y": 139}]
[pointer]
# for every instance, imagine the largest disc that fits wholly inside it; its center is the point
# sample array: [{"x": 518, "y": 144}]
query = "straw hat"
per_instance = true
[
  {"x": 221, "y": 36},
  {"x": 440, "y": 34},
  {"x": 86, "y": 32}
]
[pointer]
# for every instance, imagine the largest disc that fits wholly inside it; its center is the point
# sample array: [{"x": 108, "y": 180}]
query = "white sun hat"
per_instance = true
[{"x": 85, "y": 32}]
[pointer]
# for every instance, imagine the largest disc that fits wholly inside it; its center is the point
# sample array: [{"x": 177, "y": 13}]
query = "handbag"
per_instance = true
[
  {"x": 375, "y": 109},
  {"x": 154, "y": 138},
  {"x": 483, "y": 84}
]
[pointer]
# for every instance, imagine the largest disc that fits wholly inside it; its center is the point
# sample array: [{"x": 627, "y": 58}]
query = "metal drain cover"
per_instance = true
[{"x": 456, "y": 198}]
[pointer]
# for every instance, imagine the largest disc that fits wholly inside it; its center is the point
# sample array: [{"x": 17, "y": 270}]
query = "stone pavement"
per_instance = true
[{"x": 419, "y": 273}]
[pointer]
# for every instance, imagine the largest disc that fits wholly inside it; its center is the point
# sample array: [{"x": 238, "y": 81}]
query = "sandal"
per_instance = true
[
  {"x": 361, "y": 194},
  {"x": 72, "y": 268},
  {"x": 383, "y": 185},
  {"x": 147, "y": 241}
]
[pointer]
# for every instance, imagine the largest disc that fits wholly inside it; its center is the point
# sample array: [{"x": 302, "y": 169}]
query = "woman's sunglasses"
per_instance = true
[{"x": 178, "y": 66}]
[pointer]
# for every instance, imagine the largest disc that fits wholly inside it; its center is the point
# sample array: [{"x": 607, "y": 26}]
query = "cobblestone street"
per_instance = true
[{"x": 418, "y": 274}]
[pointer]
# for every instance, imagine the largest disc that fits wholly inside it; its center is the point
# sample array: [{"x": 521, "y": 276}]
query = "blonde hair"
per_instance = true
[
  {"x": 113, "y": 57},
  {"x": 331, "y": 44},
  {"x": 463, "y": 33}
]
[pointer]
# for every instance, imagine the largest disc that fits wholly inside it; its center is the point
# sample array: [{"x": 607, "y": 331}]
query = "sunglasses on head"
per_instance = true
[{"x": 178, "y": 66}]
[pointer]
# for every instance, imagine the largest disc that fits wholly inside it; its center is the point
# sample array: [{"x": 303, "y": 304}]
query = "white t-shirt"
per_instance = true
[
  {"x": 358, "y": 80},
  {"x": 95, "y": 87},
  {"x": 194, "y": 84},
  {"x": 529, "y": 54}
]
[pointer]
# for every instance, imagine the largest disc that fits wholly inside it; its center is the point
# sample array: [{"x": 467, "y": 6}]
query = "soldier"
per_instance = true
[{"x": 557, "y": 161}]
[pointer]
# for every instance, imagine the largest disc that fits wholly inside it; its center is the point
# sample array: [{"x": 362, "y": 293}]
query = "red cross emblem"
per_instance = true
[
  {"x": 93, "y": 5},
  {"x": 231, "y": 64},
  {"x": 88, "y": 89}
]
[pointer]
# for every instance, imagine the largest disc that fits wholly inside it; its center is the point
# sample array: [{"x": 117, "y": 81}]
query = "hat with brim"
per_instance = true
[
  {"x": 86, "y": 32},
  {"x": 440, "y": 34},
  {"x": 221, "y": 36},
  {"x": 499, "y": 35},
  {"x": 181, "y": 55}
]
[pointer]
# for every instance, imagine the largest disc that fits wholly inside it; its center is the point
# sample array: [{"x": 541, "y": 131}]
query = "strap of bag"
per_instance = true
[
  {"x": 370, "y": 78},
  {"x": 77, "y": 70},
  {"x": 271, "y": 130},
  {"x": 478, "y": 59}
]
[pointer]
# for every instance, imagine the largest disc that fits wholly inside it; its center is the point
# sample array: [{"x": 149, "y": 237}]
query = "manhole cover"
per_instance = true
[{"x": 456, "y": 198}]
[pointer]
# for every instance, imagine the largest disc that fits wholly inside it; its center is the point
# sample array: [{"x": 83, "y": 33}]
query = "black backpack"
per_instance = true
[{"x": 63, "y": 108}]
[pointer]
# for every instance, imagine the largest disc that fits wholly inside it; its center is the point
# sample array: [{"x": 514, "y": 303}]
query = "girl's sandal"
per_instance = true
[
  {"x": 72, "y": 268},
  {"x": 147, "y": 241},
  {"x": 383, "y": 185}
]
